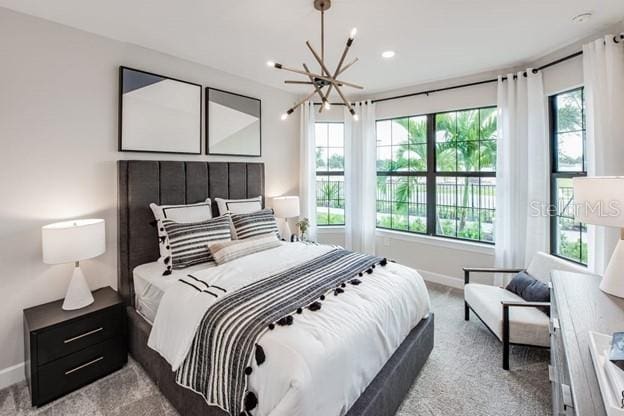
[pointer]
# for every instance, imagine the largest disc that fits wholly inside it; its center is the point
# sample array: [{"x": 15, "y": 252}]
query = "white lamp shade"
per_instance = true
[
  {"x": 599, "y": 200},
  {"x": 70, "y": 241},
  {"x": 286, "y": 206}
]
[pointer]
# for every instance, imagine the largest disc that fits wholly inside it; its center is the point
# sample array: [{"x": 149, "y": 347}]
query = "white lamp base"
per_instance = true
[
  {"x": 613, "y": 279},
  {"x": 284, "y": 229},
  {"x": 78, "y": 294}
]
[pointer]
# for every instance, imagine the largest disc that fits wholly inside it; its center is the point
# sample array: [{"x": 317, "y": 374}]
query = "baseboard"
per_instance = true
[
  {"x": 11, "y": 375},
  {"x": 442, "y": 279}
]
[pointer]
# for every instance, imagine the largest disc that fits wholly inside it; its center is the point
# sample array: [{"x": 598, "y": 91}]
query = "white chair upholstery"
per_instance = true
[
  {"x": 542, "y": 264},
  {"x": 527, "y": 324}
]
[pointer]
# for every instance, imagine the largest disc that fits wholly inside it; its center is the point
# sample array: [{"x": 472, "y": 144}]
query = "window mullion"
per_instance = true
[{"x": 431, "y": 175}]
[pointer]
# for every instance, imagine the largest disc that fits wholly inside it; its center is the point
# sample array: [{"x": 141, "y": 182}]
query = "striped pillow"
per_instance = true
[
  {"x": 254, "y": 224},
  {"x": 225, "y": 251},
  {"x": 189, "y": 241}
]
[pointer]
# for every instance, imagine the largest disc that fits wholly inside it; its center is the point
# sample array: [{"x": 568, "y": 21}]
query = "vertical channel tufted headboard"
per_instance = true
[{"x": 142, "y": 182}]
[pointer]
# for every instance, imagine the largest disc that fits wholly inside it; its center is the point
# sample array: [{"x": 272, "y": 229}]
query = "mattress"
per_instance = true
[{"x": 150, "y": 285}]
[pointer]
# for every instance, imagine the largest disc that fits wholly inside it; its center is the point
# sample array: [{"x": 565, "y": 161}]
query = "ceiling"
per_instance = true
[{"x": 433, "y": 39}]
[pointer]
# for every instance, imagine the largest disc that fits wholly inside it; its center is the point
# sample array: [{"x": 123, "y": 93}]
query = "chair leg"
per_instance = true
[
  {"x": 466, "y": 311},
  {"x": 505, "y": 355},
  {"x": 505, "y": 337}
]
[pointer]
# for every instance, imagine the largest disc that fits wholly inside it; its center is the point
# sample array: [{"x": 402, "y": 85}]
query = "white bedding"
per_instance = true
[
  {"x": 322, "y": 363},
  {"x": 150, "y": 285}
]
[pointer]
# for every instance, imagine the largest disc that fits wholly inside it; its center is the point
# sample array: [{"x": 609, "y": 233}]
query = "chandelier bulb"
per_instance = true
[
  {"x": 356, "y": 117},
  {"x": 353, "y": 33},
  {"x": 287, "y": 113},
  {"x": 270, "y": 63},
  {"x": 327, "y": 105}
]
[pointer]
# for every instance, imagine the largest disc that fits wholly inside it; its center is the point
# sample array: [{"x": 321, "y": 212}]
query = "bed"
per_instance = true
[{"x": 177, "y": 182}]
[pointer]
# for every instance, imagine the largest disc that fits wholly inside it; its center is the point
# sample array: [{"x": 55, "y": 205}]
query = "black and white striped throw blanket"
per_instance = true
[{"x": 219, "y": 360}]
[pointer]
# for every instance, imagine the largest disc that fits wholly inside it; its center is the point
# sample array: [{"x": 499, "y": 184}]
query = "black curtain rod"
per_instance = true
[
  {"x": 616, "y": 39},
  {"x": 472, "y": 84}
]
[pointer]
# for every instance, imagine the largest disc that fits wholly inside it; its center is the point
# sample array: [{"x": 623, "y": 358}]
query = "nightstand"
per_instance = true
[{"x": 65, "y": 350}]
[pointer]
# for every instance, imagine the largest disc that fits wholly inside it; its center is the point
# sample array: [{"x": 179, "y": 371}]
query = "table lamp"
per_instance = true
[
  {"x": 70, "y": 242},
  {"x": 285, "y": 207},
  {"x": 599, "y": 200}
]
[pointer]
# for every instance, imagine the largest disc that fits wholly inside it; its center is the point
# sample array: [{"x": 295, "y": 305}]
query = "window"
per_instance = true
[
  {"x": 465, "y": 151},
  {"x": 402, "y": 174},
  {"x": 436, "y": 174},
  {"x": 568, "y": 238},
  {"x": 330, "y": 208}
]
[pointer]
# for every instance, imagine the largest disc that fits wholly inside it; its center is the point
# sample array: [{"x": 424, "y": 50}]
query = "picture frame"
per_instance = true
[
  {"x": 158, "y": 114},
  {"x": 233, "y": 124}
]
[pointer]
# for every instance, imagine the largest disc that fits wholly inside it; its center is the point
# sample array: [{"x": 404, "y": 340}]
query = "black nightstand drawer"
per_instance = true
[
  {"x": 65, "y": 350},
  {"x": 66, "y": 374},
  {"x": 64, "y": 339}
]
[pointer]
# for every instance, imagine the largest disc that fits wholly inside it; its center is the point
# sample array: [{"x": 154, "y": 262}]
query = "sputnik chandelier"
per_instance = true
[{"x": 326, "y": 81}]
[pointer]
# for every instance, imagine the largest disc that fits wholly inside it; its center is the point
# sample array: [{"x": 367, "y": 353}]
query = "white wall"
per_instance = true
[
  {"x": 441, "y": 260},
  {"x": 58, "y": 136}
]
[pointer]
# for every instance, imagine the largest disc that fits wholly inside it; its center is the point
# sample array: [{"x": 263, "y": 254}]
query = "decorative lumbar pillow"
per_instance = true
[
  {"x": 198, "y": 212},
  {"x": 225, "y": 251},
  {"x": 530, "y": 289},
  {"x": 189, "y": 241},
  {"x": 254, "y": 224},
  {"x": 239, "y": 206}
]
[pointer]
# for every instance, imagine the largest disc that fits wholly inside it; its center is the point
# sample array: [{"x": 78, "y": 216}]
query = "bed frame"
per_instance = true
[{"x": 178, "y": 182}]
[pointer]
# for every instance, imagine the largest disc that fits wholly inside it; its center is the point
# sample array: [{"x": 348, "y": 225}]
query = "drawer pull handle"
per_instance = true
[
  {"x": 86, "y": 334},
  {"x": 551, "y": 374},
  {"x": 80, "y": 367}
]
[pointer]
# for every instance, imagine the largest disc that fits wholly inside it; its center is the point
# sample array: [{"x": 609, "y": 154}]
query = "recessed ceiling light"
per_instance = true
[
  {"x": 388, "y": 54},
  {"x": 582, "y": 18}
]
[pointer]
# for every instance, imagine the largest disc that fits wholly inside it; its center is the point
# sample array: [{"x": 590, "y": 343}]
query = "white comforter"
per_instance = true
[{"x": 322, "y": 363}]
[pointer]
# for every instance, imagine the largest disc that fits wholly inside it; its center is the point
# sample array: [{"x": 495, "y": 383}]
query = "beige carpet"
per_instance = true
[{"x": 463, "y": 376}]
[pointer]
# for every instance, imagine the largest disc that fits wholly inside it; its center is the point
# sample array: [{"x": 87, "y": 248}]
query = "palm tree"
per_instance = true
[
  {"x": 409, "y": 156},
  {"x": 463, "y": 132},
  {"x": 458, "y": 147}
]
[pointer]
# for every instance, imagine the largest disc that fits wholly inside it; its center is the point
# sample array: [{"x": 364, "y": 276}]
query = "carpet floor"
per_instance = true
[{"x": 463, "y": 376}]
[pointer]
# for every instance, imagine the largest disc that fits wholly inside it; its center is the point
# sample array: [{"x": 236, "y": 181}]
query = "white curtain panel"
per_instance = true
[
  {"x": 307, "y": 174},
  {"x": 603, "y": 73},
  {"x": 360, "y": 178},
  {"x": 521, "y": 170}
]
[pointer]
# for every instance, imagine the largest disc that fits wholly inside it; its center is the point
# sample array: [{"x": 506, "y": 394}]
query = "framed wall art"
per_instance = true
[
  {"x": 158, "y": 113},
  {"x": 233, "y": 124}
]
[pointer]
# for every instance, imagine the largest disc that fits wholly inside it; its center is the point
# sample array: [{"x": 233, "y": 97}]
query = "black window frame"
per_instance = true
[
  {"x": 331, "y": 173},
  {"x": 408, "y": 174},
  {"x": 556, "y": 174},
  {"x": 431, "y": 175}
]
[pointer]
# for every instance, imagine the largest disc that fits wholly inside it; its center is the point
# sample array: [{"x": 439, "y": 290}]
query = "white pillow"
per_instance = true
[
  {"x": 239, "y": 206},
  {"x": 198, "y": 212},
  {"x": 190, "y": 213}
]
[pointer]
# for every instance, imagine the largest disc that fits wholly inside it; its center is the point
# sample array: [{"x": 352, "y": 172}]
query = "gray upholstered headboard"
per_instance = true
[{"x": 170, "y": 182}]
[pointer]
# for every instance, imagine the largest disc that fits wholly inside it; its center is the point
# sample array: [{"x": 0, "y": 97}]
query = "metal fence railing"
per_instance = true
[{"x": 447, "y": 195}]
